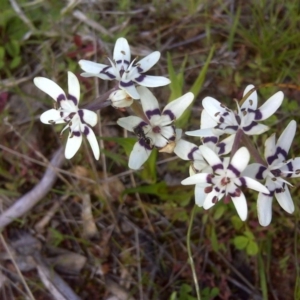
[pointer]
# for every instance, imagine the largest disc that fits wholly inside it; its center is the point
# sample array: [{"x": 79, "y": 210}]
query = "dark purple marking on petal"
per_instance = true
[
  {"x": 250, "y": 126},
  {"x": 260, "y": 172},
  {"x": 225, "y": 114},
  {"x": 212, "y": 139},
  {"x": 217, "y": 167},
  {"x": 217, "y": 189},
  {"x": 170, "y": 114},
  {"x": 234, "y": 170},
  {"x": 146, "y": 143},
  {"x": 140, "y": 70},
  {"x": 151, "y": 113},
  {"x": 276, "y": 173},
  {"x": 140, "y": 78},
  {"x": 73, "y": 98},
  {"x": 191, "y": 153},
  {"x": 236, "y": 193},
  {"x": 279, "y": 150},
  {"x": 290, "y": 169},
  {"x": 120, "y": 61},
  {"x": 221, "y": 120},
  {"x": 221, "y": 147},
  {"x": 257, "y": 115},
  {"x": 86, "y": 130},
  {"x": 233, "y": 127},
  {"x": 104, "y": 71},
  {"x": 76, "y": 133},
  {"x": 126, "y": 84},
  {"x": 172, "y": 138},
  {"x": 238, "y": 119},
  {"x": 60, "y": 98},
  {"x": 243, "y": 181},
  {"x": 61, "y": 113},
  {"x": 271, "y": 194},
  {"x": 209, "y": 178},
  {"x": 81, "y": 114}
]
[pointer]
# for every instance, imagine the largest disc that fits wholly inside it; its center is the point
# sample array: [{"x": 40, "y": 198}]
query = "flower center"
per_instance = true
[{"x": 156, "y": 129}]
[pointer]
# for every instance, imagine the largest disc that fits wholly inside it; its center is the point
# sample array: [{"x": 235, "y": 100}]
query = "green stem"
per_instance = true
[{"x": 190, "y": 260}]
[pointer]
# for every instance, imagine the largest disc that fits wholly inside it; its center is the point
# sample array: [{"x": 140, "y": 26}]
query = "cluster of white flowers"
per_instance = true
[{"x": 219, "y": 166}]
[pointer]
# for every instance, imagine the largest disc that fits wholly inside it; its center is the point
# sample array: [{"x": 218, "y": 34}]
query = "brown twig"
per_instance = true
[{"x": 26, "y": 202}]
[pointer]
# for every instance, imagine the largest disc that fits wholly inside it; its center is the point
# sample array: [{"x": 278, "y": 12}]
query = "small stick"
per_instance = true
[{"x": 31, "y": 198}]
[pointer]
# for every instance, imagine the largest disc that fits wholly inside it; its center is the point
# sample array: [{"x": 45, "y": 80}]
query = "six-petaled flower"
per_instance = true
[
  {"x": 78, "y": 120},
  {"x": 277, "y": 169},
  {"x": 156, "y": 129},
  {"x": 129, "y": 74},
  {"x": 224, "y": 180},
  {"x": 246, "y": 118}
]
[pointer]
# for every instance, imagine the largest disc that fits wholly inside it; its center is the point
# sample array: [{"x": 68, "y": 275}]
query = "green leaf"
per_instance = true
[
  {"x": 214, "y": 240},
  {"x": 219, "y": 212},
  {"x": 149, "y": 168},
  {"x": 236, "y": 222},
  {"x": 240, "y": 242},
  {"x": 15, "y": 62},
  {"x": 13, "y": 48},
  {"x": 177, "y": 80},
  {"x": 197, "y": 86},
  {"x": 252, "y": 248},
  {"x": 157, "y": 189},
  {"x": 249, "y": 235}
]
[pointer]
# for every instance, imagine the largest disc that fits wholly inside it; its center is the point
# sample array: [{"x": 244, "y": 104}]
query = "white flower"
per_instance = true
[
  {"x": 278, "y": 168},
  {"x": 120, "y": 99},
  {"x": 225, "y": 179},
  {"x": 78, "y": 120},
  {"x": 246, "y": 118},
  {"x": 156, "y": 129},
  {"x": 127, "y": 73}
]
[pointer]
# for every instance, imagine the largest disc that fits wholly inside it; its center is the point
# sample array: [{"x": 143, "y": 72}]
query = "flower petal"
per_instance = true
[
  {"x": 130, "y": 89},
  {"x": 152, "y": 81},
  {"x": 251, "y": 101},
  {"x": 264, "y": 209},
  {"x": 122, "y": 51},
  {"x": 200, "y": 195},
  {"x": 149, "y": 102},
  {"x": 251, "y": 184},
  {"x": 201, "y": 132},
  {"x": 50, "y": 87},
  {"x": 73, "y": 144},
  {"x": 270, "y": 148},
  {"x": 148, "y": 61},
  {"x": 91, "y": 137},
  {"x": 255, "y": 128},
  {"x": 212, "y": 158},
  {"x": 129, "y": 123},
  {"x": 270, "y": 106},
  {"x": 255, "y": 171},
  {"x": 178, "y": 106},
  {"x": 286, "y": 138},
  {"x": 206, "y": 120},
  {"x": 138, "y": 156},
  {"x": 186, "y": 150},
  {"x": 213, "y": 107},
  {"x": 285, "y": 200},
  {"x": 238, "y": 162},
  {"x": 195, "y": 179},
  {"x": 240, "y": 204},
  {"x": 73, "y": 88},
  {"x": 88, "y": 116},
  {"x": 51, "y": 116}
]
